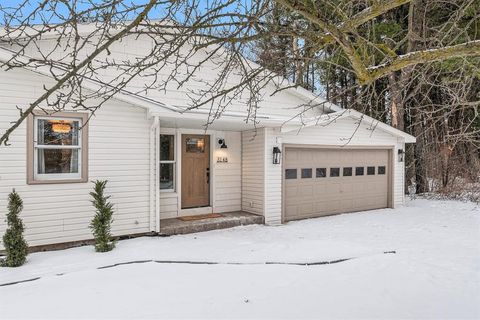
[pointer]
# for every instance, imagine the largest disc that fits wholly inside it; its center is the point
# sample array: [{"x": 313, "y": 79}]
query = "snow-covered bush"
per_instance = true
[
  {"x": 16, "y": 248},
  {"x": 460, "y": 190},
  {"x": 102, "y": 221}
]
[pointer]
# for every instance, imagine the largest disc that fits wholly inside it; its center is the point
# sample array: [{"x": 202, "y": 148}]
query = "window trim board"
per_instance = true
[{"x": 83, "y": 159}]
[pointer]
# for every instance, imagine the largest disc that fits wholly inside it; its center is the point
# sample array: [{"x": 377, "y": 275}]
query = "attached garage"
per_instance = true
[{"x": 325, "y": 181}]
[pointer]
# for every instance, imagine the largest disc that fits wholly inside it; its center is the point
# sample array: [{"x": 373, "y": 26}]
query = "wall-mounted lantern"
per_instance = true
[
  {"x": 401, "y": 155},
  {"x": 222, "y": 144},
  {"x": 277, "y": 154}
]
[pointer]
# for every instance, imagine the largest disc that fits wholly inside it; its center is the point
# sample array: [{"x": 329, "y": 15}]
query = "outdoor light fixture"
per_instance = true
[
  {"x": 276, "y": 155},
  {"x": 222, "y": 144},
  {"x": 401, "y": 155}
]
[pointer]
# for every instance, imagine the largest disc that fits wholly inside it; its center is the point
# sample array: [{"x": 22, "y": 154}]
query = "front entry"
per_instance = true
[{"x": 195, "y": 171}]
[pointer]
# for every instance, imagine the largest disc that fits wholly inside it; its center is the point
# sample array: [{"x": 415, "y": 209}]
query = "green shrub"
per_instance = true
[
  {"x": 16, "y": 247},
  {"x": 102, "y": 221}
]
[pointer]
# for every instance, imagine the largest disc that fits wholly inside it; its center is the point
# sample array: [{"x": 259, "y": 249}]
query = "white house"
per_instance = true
[{"x": 161, "y": 163}]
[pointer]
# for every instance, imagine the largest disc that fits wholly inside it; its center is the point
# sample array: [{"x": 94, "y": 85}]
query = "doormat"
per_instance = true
[{"x": 200, "y": 217}]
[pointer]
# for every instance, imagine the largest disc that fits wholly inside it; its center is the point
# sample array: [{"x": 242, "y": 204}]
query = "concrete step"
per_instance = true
[{"x": 173, "y": 226}]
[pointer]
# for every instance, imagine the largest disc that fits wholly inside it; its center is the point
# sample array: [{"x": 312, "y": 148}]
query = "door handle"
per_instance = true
[{"x": 208, "y": 175}]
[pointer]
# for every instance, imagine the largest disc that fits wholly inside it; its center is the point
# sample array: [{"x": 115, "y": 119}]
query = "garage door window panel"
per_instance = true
[
  {"x": 347, "y": 171},
  {"x": 359, "y": 171},
  {"x": 370, "y": 171},
  {"x": 290, "y": 173},
  {"x": 334, "y": 172},
  {"x": 381, "y": 170},
  {"x": 321, "y": 172},
  {"x": 306, "y": 173}
]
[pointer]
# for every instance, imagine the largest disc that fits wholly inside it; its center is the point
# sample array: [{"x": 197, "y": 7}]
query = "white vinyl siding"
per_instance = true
[
  {"x": 273, "y": 179},
  {"x": 228, "y": 175},
  {"x": 118, "y": 152},
  {"x": 168, "y": 205},
  {"x": 399, "y": 176},
  {"x": 253, "y": 171}
]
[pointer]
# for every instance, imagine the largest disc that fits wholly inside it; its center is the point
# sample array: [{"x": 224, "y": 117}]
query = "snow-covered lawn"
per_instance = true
[{"x": 434, "y": 272}]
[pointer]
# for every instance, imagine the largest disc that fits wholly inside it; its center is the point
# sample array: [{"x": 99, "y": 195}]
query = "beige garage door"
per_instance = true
[{"x": 321, "y": 182}]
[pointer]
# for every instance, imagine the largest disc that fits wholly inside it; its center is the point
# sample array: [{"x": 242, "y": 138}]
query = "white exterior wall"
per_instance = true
[
  {"x": 227, "y": 177},
  {"x": 168, "y": 205},
  {"x": 118, "y": 151},
  {"x": 253, "y": 171},
  {"x": 273, "y": 179},
  {"x": 399, "y": 176}
]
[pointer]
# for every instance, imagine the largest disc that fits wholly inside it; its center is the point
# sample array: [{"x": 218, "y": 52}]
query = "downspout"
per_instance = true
[
  {"x": 154, "y": 216},
  {"x": 157, "y": 174}
]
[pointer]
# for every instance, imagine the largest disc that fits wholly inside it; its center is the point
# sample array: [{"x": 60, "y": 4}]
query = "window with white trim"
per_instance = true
[
  {"x": 58, "y": 150},
  {"x": 167, "y": 162}
]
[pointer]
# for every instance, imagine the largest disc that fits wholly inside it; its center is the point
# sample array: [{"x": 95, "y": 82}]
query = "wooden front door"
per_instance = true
[{"x": 195, "y": 170}]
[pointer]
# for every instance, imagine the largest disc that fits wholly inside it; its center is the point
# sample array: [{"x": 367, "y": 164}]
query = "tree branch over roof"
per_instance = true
[{"x": 467, "y": 49}]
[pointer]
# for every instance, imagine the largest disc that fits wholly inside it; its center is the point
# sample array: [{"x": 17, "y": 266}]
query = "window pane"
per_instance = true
[
  {"x": 166, "y": 175},
  {"x": 58, "y": 132},
  {"x": 359, "y": 171},
  {"x": 381, "y": 170},
  {"x": 57, "y": 161},
  {"x": 370, "y": 171},
  {"x": 167, "y": 150},
  {"x": 334, "y": 172},
  {"x": 195, "y": 145},
  {"x": 290, "y": 173},
  {"x": 347, "y": 171},
  {"x": 306, "y": 173},
  {"x": 321, "y": 172}
]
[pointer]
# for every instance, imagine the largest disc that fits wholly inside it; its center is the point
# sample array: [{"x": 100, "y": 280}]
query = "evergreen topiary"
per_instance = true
[
  {"x": 16, "y": 247},
  {"x": 102, "y": 221}
]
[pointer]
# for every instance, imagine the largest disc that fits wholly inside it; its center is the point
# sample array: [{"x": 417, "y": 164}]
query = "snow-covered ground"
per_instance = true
[{"x": 434, "y": 272}]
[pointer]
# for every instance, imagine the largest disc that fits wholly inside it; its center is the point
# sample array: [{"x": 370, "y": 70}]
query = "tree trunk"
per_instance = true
[
  {"x": 397, "y": 108},
  {"x": 416, "y": 24},
  {"x": 421, "y": 178}
]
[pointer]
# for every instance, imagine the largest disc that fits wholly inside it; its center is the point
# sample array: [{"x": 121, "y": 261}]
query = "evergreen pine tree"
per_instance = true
[
  {"x": 16, "y": 247},
  {"x": 101, "y": 222}
]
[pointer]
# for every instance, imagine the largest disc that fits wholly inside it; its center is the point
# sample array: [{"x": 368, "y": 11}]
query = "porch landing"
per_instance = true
[{"x": 173, "y": 226}]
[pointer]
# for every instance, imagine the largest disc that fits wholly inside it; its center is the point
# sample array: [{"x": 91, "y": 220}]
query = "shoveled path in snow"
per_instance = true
[{"x": 434, "y": 272}]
